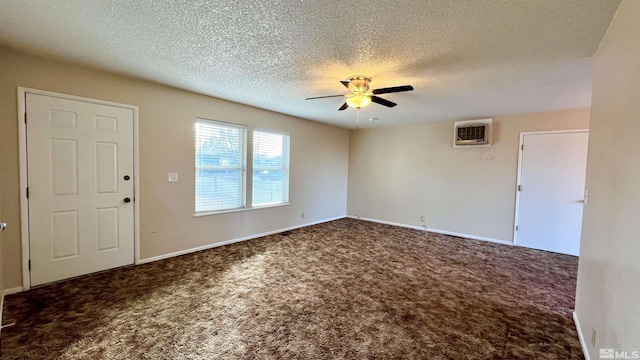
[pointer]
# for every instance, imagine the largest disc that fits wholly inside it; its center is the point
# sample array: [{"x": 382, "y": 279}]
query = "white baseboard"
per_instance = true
[
  {"x": 481, "y": 238},
  {"x": 388, "y": 222},
  {"x": 13, "y": 290},
  {"x": 583, "y": 343},
  {"x": 227, "y": 242},
  {"x": 416, "y": 227}
]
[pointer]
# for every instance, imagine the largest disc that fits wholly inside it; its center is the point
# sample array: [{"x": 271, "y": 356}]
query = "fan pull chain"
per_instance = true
[{"x": 357, "y": 117}]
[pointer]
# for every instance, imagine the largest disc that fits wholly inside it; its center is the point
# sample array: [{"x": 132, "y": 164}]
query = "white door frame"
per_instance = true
[
  {"x": 519, "y": 176},
  {"x": 24, "y": 204}
]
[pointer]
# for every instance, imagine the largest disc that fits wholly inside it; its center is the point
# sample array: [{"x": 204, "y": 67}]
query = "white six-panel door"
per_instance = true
[
  {"x": 550, "y": 200},
  {"x": 80, "y": 175}
]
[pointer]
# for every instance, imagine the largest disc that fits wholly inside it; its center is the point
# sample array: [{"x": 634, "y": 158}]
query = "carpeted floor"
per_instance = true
[{"x": 346, "y": 289}]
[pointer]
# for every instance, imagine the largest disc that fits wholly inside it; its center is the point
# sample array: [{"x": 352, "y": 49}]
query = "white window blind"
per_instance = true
[
  {"x": 270, "y": 168},
  {"x": 220, "y": 165}
]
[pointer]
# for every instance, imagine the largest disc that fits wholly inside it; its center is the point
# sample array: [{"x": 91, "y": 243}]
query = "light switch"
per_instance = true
[{"x": 173, "y": 177}]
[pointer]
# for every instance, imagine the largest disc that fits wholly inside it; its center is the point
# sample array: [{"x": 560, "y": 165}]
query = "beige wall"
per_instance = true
[
  {"x": 399, "y": 174},
  {"x": 319, "y": 158},
  {"x": 608, "y": 295}
]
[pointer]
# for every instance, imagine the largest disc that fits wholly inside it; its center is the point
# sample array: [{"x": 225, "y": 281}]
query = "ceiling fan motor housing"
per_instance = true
[{"x": 360, "y": 83}]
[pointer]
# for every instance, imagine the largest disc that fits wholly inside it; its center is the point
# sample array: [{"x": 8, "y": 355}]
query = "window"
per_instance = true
[
  {"x": 220, "y": 166},
  {"x": 270, "y": 168}
]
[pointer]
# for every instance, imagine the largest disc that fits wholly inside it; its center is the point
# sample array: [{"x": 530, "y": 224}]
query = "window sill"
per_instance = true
[{"x": 209, "y": 213}]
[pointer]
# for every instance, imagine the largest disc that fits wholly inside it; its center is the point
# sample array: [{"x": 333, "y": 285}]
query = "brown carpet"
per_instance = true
[{"x": 346, "y": 289}]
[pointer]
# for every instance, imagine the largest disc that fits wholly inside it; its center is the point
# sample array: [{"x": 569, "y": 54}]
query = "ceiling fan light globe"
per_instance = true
[{"x": 358, "y": 101}]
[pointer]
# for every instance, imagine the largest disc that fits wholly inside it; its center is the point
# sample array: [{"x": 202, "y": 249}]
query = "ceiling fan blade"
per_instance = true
[
  {"x": 381, "y": 101},
  {"x": 322, "y": 97},
  {"x": 393, "y": 89},
  {"x": 343, "y": 107},
  {"x": 345, "y": 83}
]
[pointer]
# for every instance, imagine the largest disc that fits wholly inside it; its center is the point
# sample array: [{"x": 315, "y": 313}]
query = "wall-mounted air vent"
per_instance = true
[{"x": 472, "y": 133}]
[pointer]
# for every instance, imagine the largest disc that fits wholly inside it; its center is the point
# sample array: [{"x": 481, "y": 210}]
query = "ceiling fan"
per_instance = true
[{"x": 360, "y": 96}]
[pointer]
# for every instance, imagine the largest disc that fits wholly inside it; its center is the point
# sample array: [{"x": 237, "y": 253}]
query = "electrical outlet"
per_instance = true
[
  {"x": 302, "y": 216},
  {"x": 173, "y": 177},
  {"x": 593, "y": 337},
  {"x": 422, "y": 219},
  {"x": 586, "y": 196}
]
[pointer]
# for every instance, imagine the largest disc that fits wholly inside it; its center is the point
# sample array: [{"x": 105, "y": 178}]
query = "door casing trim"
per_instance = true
[
  {"x": 519, "y": 175},
  {"x": 24, "y": 203}
]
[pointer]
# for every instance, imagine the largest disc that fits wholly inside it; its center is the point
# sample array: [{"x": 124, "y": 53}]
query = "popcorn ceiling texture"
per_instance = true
[{"x": 465, "y": 58}]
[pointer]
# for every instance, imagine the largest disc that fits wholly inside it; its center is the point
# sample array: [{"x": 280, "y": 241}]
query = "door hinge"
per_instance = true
[
  {"x": 522, "y": 147},
  {"x": 516, "y": 227},
  {"x": 29, "y": 264},
  {"x": 25, "y": 117},
  {"x": 519, "y": 187},
  {"x": 27, "y": 192}
]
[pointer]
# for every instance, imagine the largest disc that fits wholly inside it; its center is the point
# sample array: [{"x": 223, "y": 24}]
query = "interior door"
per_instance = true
[
  {"x": 552, "y": 179},
  {"x": 80, "y": 179}
]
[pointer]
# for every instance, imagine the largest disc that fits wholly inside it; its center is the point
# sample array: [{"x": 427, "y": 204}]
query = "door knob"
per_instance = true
[
  {"x": 3, "y": 226},
  {"x": 127, "y": 200}
]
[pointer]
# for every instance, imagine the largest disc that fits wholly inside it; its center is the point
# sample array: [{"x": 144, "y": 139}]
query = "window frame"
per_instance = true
[{"x": 242, "y": 167}]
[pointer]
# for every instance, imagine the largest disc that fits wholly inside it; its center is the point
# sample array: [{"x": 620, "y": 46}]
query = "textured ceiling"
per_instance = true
[{"x": 465, "y": 58}]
